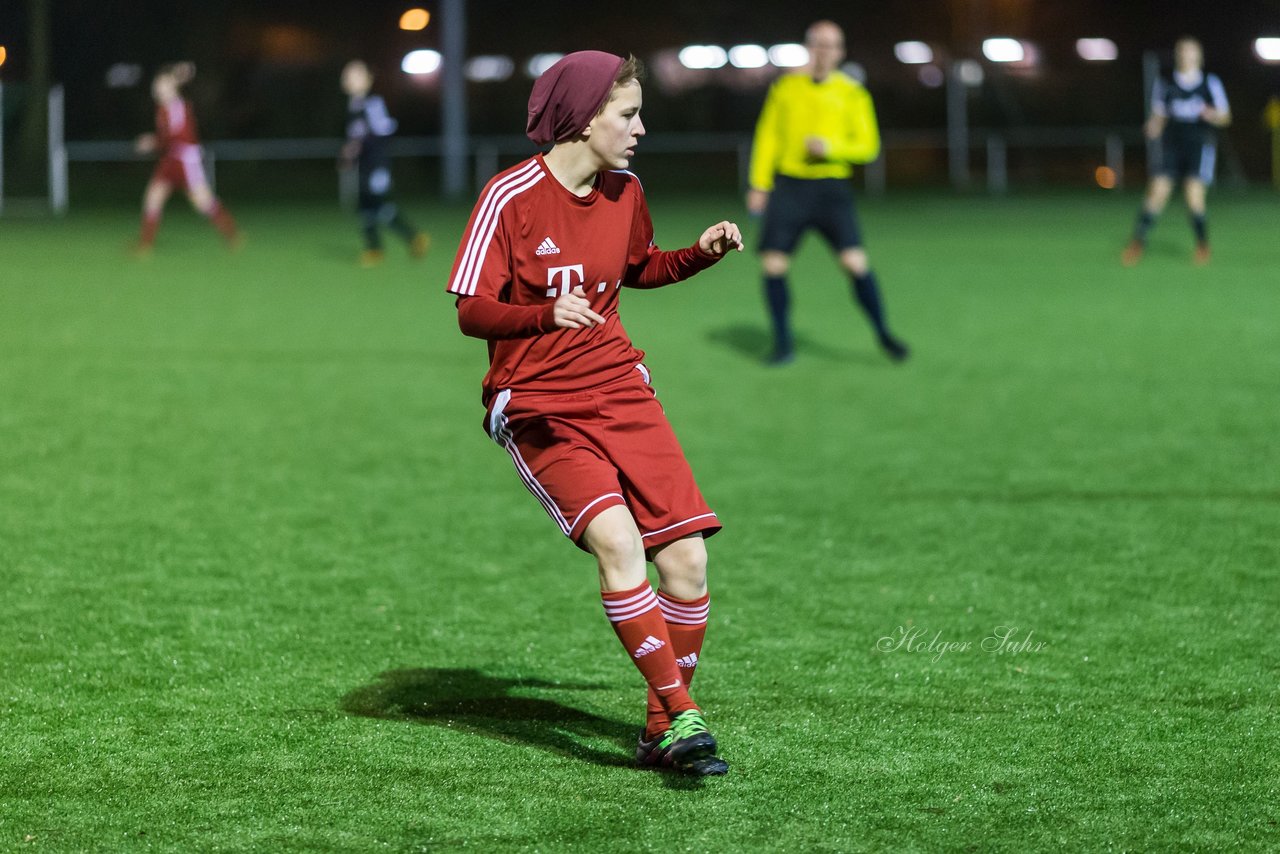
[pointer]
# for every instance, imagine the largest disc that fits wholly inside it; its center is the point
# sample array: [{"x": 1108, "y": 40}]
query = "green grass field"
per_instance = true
[{"x": 268, "y": 587}]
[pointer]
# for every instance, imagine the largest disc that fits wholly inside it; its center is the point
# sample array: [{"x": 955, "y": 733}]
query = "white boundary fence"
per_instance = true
[{"x": 487, "y": 152}]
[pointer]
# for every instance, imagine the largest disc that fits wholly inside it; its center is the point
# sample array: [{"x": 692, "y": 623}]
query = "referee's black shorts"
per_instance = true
[
  {"x": 1187, "y": 154},
  {"x": 798, "y": 204}
]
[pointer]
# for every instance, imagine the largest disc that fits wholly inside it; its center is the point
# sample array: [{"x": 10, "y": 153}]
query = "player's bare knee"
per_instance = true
[
  {"x": 775, "y": 263},
  {"x": 682, "y": 567},
  {"x": 614, "y": 540},
  {"x": 855, "y": 261}
]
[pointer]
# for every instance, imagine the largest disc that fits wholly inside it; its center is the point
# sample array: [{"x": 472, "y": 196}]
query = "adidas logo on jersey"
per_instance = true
[
  {"x": 547, "y": 247},
  {"x": 651, "y": 644},
  {"x": 687, "y": 661}
]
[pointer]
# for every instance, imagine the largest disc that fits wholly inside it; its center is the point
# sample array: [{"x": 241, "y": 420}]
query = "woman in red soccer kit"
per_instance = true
[
  {"x": 549, "y": 245},
  {"x": 180, "y": 165}
]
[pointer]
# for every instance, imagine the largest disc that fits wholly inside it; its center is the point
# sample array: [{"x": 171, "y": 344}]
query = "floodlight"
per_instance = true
[
  {"x": 1267, "y": 49},
  {"x": 1097, "y": 50},
  {"x": 913, "y": 53},
  {"x": 789, "y": 55},
  {"x": 1003, "y": 50},
  {"x": 419, "y": 62},
  {"x": 748, "y": 56},
  {"x": 703, "y": 56}
]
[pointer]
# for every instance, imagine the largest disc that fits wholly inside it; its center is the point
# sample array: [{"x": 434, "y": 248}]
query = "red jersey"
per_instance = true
[
  {"x": 175, "y": 128},
  {"x": 528, "y": 242}
]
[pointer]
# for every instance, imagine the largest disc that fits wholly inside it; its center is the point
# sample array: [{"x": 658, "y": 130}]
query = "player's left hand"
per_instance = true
[
  {"x": 816, "y": 147},
  {"x": 717, "y": 240},
  {"x": 1213, "y": 116}
]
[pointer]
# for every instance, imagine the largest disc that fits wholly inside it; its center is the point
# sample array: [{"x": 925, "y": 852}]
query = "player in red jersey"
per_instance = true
[
  {"x": 180, "y": 165},
  {"x": 549, "y": 245}
]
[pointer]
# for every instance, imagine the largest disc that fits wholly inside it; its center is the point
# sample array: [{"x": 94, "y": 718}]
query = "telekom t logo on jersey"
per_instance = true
[{"x": 562, "y": 280}]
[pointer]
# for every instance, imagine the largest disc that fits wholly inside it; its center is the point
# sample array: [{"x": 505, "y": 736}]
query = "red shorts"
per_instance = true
[
  {"x": 182, "y": 171},
  {"x": 582, "y": 453}
]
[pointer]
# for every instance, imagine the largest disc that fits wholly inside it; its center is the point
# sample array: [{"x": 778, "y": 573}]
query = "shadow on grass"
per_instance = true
[
  {"x": 468, "y": 700},
  {"x": 754, "y": 343}
]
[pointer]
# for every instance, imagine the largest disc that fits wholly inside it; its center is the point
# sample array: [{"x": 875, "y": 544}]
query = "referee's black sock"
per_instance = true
[
  {"x": 867, "y": 293},
  {"x": 1146, "y": 219},
  {"x": 1201, "y": 228},
  {"x": 778, "y": 298}
]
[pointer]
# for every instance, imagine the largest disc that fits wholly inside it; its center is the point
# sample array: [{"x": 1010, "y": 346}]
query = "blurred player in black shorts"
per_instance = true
[
  {"x": 1186, "y": 111},
  {"x": 368, "y": 128}
]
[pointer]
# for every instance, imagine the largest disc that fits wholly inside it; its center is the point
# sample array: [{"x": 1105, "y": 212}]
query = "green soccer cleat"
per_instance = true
[{"x": 688, "y": 746}]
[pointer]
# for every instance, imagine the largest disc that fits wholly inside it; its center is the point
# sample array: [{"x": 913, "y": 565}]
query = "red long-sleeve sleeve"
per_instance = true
[
  {"x": 487, "y": 318},
  {"x": 665, "y": 268}
]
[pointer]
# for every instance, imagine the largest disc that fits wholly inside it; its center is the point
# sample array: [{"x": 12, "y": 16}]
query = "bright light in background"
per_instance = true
[
  {"x": 489, "y": 68},
  {"x": 4, "y": 54},
  {"x": 748, "y": 56},
  {"x": 702, "y": 56},
  {"x": 415, "y": 19},
  {"x": 970, "y": 71},
  {"x": 1267, "y": 49},
  {"x": 420, "y": 62},
  {"x": 1003, "y": 50},
  {"x": 1097, "y": 50},
  {"x": 1106, "y": 177},
  {"x": 913, "y": 53},
  {"x": 540, "y": 62},
  {"x": 931, "y": 76},
  {"x": 789, "y": 55},
  {"x": 124, "y": 75}
]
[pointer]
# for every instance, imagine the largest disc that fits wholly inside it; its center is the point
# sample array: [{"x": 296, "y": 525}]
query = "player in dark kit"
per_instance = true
[
  {"x": 180, "y": 165},
  {"x": 551, "y": 243},
  {"x": 1187, "y": 110},
  {"x": 816, "y": 123},
  {"x": 368, "y": 128}
]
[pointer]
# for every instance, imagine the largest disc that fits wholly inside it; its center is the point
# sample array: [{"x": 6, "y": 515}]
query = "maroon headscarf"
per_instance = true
[{"x": 569, "y": 94}]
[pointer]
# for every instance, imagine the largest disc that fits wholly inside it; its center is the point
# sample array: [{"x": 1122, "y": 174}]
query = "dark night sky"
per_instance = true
[{"x": 268, "y": 68}]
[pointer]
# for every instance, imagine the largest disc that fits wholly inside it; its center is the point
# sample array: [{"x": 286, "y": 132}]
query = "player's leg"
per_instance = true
[
  {"x": 637, "y": 618},
  {"x": 673, "y": 518},
  {"x": 777, "y": 298},
  {"x": 153, "y": 202},
  {"x": 685, "y": 605},
  {"x": 558, "y": 447},
  {"x": 784, "y": 222},
  {"x": 866, "y": 290},
  {"x": 836, "y": 218},
  {"x": 205, "y": 202},
  {"x": 1195, "y": 189},
  {"x": 390, "y": 214},
  {"x": 374, "y": 181},
  {"x": 1153, "y": 203}
]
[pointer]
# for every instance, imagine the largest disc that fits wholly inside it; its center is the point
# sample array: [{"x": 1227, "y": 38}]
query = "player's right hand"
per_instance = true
[
  {"x": 573, "y": 311},
  {"x": 145, "y": 143},
  {"x": 757, "y": 201}
]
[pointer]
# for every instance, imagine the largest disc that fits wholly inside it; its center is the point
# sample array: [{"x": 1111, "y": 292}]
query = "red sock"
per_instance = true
[
  {"x": 223, "y": 221},
  {"x": 686, "y": 625},
  {"x": 638, "y": 622},
  {"x": 150, "y": 224}
]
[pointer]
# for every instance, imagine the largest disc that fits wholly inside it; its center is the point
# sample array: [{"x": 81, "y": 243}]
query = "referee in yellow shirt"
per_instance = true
[{"x": 816, "y": 123}]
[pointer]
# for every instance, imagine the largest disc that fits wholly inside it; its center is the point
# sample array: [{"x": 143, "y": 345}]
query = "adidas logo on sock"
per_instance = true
[
  {"x": 687, "y": 661},
  {"x": 547, "y": 247},
  {"x": 651, "y": 644}
]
